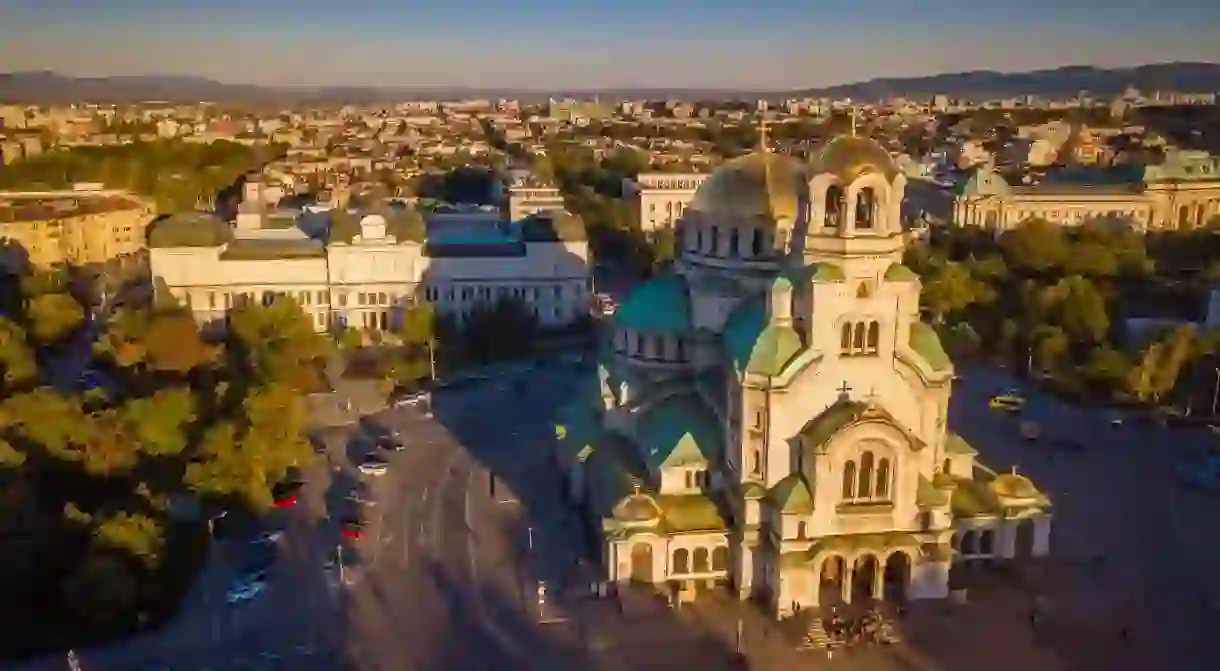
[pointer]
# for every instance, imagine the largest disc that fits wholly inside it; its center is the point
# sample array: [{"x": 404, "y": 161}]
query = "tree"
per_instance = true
[
  {"x": 174, "y": 344},
  {"x": 137, "y": 536},
  {"x": 158, "y": 423},
  {"x": 1107, "y": 368},
  {"x": 1050, "y": 347},
  {"x": 53, "y": 316},
  {"x": 277, "y": 343},
  {"x": 1081, "y": 309},
  {"x": 1035, "y": 245},
  {"x": 16, "y": 357},
  {"x": 949, "y": 288}
]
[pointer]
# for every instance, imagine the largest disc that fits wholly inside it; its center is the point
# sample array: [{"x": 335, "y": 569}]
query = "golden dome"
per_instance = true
[
  {"x": 760, "y": 184},
  {"x": 849, "y": 157},
  {"x": 1013, "y": 486},
  {"x": 638, "y": 508}
]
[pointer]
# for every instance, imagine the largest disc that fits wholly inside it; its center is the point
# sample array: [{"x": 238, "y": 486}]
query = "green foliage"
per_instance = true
[
  {"x": 176, "y": 175},
  {"x": 54, "y": 316},
  {"x": 16, "y": 356},
  {"x": 1057, "y": 298}
]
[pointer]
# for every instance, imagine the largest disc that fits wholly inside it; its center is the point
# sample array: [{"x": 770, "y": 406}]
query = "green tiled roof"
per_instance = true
[
  {"x": 900, "y": 273},
  {"x": 189, "y": 229},
  {"x": 679, "y": 431},
  {"x": 973, "y": 498},
  {"x": 792, "y": 495},
  {"x": 690, "y": 512},
  {"x": 753, "y": 490},
  {"x": 754, "y": 345},
  {"x": 926, "y": 343},
  {"x": 928, "y": 495},
  {"x": 815, "y": 272},
  {"x": 661, "y": 304},
  {"x": 851, "y": 543},
  {"x": 820, "y": 429},
  {"x": 613, "y": 469},
  {"x": 271, "y": 250},
  {"x": 955, "y": 444}
]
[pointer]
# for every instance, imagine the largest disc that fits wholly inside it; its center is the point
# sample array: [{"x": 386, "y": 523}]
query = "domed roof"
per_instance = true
[
  {"x": 849, "y": 157},
  {"x": 1013, "y": 486},
  {"x": 759, "y": 184},
  {"x": 189, "y": 229},
  {"x": 638, "y": 508}
]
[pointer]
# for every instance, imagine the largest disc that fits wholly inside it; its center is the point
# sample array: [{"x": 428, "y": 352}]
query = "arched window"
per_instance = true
[
  {"x": 858, "y": 341},
  {"x": 849, "y": 480},
  {"x": 883, "y": 478},
  {"x": 946, "y": 467},
  {"x": 701, "y": 561},
  {"x": 836, "y": 206},
  {"x": 734, "y": 241},
  {"x": 845, "y": 343},
  {"x": 720, "y": 558},
  {"x": 802, "y": 530},
  {"x": 681, "y": 560},
  {"x": 699, "y": 239},
  {"x": 866, "y": 208},
  {"x": 1183, "y": 217},
  {"x": 715, "y": 250},
  {"x": 864, "y": 489},
  {"x": 874, "y": 337},
  {"x": 756, "y": 242},
  {"x": 681, "y": 350},
  {"x": 993, "y": 220},
  {"x": 987, "y": 542}
]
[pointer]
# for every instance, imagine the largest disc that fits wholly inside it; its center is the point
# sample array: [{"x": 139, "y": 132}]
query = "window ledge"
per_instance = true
[{"x": 865, "y": 507}]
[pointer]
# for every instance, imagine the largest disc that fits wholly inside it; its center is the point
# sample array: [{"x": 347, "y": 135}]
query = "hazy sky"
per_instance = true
[{"x": 593, "y": 43}]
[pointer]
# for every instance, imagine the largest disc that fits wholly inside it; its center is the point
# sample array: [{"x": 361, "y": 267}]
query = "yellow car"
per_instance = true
[{"x": 1007, "y": 402}]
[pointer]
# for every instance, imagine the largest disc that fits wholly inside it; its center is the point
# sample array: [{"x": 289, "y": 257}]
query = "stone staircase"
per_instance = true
[{"x": 816, "y": 637}]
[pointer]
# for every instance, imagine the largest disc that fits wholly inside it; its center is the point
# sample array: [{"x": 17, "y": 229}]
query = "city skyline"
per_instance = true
[{"x": 774, "y": 44}]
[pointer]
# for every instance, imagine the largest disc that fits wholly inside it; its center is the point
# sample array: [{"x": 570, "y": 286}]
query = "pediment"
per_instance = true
[{"x": 872, "y": 422}]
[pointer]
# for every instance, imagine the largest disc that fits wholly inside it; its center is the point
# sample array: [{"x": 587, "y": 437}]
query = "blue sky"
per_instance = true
[{"x": 593, "y": 43}]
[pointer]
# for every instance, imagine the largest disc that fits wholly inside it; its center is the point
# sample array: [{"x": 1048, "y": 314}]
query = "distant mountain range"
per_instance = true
[{"x": 50, "y": 87}]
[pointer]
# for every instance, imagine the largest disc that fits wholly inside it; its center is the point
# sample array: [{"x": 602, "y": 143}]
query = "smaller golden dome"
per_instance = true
[
  {"x": 759, "y": 184},
  {"x": 1013, "y": 486},
  {"x": 638, "y": 508},
  {"x": 848, "y": 157}
]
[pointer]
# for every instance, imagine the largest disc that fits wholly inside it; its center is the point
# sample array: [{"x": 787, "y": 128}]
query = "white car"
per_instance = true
[
  {"x": 245, "y": 591},
  {"x": 411, "y": 399},
  {"x": 374, "y": 468},
  {"x": 268, "y": 537},
  {"x": 360, "y": 499}
]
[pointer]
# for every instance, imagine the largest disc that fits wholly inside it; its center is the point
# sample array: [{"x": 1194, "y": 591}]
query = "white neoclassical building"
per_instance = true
[
  {"x": 772, "y": 414},
  {"x": 362, "y": 269},
  {"x": 1181, "y": 193}
]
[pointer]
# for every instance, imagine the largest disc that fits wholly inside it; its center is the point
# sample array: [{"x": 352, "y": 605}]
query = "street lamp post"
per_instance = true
[
  {"x": 339, "y": 554},
  {"x": 1216, "y": 392}
]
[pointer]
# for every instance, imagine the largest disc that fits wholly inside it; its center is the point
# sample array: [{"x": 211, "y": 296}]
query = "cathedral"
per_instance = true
[{"x": 770, "y": 414}]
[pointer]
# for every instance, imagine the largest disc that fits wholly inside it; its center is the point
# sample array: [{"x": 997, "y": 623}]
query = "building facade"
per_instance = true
[
  {"x": 74, "y": 227},
  {"x": 662, "y": 197},
  {"x": 363, "y": 269},
  {"x": 772, "y": 414},
  {"x": 1180, "y": 194}
]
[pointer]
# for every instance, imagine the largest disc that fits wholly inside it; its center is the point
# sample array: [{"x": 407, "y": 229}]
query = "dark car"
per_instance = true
[
  {"x": 391, "y": 443},
  {"x": 352, "y": 527},
  {"x": 284, "y": 494}
]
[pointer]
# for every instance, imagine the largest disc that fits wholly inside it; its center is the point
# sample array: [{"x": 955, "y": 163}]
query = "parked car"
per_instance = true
[
  {"x": 284, "y": 494},
  {"x": 374, "y": 466}
]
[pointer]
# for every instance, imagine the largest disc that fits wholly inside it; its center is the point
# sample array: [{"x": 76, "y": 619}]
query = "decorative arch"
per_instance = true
[
  {"x": 701, "y": 562},
  {"x": 681, "y": 560},
  {"x": 882, "y": 489},
  {"x": 866, "y": 208},
  {"x": 849, "y": 480},
  {"x": 873, "y": 204},
  {"x": 835, "y": 206},
  {"x": 864, "y": 486},
  {"x": 874, "y": 337},
  {"x": 720, "y": 558},
  {"x": 756, "y": 242},
  {"x": 857, "y": 340},
  {"x": 896, "y": 575},
  {"x": 969, "y": 543},
  {"x": 734, "y": 242},
  {"x": 987, "y": 542},
  {"x": 845, "y": 342}
]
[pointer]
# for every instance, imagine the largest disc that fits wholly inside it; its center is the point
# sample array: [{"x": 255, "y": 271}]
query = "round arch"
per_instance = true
[{"x": 896, "y": 573}]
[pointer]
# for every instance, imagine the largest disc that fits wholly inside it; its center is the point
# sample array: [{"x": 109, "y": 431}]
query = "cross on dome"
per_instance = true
[
  {"x": 843, "y": 389},
  {"x": 763, "y": 127},
  {"x": 855, "y": 119},
  {"x": 871, "y": 396}
]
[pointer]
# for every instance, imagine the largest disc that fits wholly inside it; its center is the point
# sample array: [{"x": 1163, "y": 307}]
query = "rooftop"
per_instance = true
[{"x": 18, "y": 208}]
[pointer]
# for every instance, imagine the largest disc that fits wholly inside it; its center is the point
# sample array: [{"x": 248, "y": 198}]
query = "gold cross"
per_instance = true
[
  {"x": 854, "y": 118},
  {"x": 763, "y": 127}
]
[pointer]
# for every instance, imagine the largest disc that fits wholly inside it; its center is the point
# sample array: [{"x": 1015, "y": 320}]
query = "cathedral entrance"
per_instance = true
[
  {"x": 897, "y": 576},
  {"x": 864, "y": 578},
  {"x": 1023, "y": 547},
  {"x": 830, "y": 584},
  {"x": 641, "y": 563}
]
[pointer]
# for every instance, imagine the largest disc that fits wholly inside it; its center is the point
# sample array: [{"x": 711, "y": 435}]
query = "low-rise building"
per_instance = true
[
  {"x": 364, "y": 268},
  {"x": 662, "y": 197},
  {"x": 1181, "y": 193},
  {"x": 73, "y": 226}
]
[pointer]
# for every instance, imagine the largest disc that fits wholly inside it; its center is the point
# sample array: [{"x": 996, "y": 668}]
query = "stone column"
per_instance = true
[
  {"x": 849, "y": 574},
  {"x": 879, "y": 582},
  {"x": 1042, "y": 535},
  {"x": 724, "y": 243},
  {"x": 1006, "y": 538}
]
